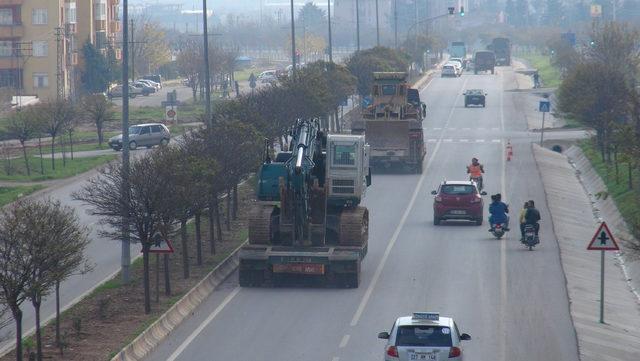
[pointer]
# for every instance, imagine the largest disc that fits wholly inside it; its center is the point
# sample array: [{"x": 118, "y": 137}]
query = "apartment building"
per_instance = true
[{"x": 40, "y": 41}]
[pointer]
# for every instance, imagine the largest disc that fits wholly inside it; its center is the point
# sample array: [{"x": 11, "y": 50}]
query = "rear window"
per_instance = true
[
  {"x": 448, "y": 67},
  {"x": 426, "y": 336},
  {"x": 457, "y": 189}
]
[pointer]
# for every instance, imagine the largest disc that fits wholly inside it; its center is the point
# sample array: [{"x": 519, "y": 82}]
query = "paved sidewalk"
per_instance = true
[{"x": 574, "y": 224}]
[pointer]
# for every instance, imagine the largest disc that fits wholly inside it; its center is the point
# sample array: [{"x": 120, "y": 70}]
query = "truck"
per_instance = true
[
  {"x": 307, "y": 226},
  {"x": 502, "y": 49},
  {"x": 458, "y": 50},
  {"x": 392, "y": 123},
  {"x": 484, "y": 60}
]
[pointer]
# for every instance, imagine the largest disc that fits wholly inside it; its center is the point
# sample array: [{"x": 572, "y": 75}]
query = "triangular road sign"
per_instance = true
[
  {"x": 603, "y": 240},
  {"x": 161, "y": 245}
]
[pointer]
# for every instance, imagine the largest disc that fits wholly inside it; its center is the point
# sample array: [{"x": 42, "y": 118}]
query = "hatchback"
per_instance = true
[
  {"x": 458, "y": 200},
  {"x": 146, "y": 135},
  {"x": 424, "y": 336},
  {"x": 449, "y": 70},
  {"x": 475, "y": 97}
]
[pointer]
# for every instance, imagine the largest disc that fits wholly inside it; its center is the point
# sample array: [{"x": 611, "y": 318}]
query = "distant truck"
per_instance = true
[
  {"x": 484, "y": 60},
  {"x": 502, "y": 49},
  {"x": 392, "y": 124},
  {"x": 458, "y": 50}
]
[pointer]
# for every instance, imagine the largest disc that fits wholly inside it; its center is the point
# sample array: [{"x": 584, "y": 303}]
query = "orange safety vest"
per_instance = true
[{"x": 475, "y": 171}]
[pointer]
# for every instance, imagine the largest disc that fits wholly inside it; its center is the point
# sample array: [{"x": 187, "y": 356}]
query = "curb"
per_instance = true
[{"x": 151, "y": 337}]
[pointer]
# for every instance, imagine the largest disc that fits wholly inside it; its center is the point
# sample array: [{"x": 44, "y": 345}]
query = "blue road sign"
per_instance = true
[
  {"x": 366, "y": 101},
  {"x": 545, "y": 106}
]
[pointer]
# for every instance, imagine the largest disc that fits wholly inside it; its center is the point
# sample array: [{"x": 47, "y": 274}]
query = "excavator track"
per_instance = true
[
  {"x": 260, "y": 224},
  {"x": 354, "y": 227}
]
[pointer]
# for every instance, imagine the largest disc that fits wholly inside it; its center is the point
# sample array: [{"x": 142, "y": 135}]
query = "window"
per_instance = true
[
  {"x": 134, "y": 130},
  {"x": 5, "y": 48},
  {"x": 424, "y": 336},
  {"x": 457, "y": 189},
  {"x": 388, "y": 90},
  {"x": 6, "y": 17},
  {"x": 145, "y": 130},
  {"x": 39, "y": 17},
  {"x": 70, "y": 13},
  {"x": 100, "y": 11},
  {"x": 344, "y": 154},
  {"x": 40, "y": 80},
  {"x": 156, "y": 129},
  {"x": 40, "y": 48}
]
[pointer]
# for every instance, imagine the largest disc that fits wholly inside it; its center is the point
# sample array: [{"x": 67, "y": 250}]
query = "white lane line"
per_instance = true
[
  {"x": 335, "y": 358},
  {"x": 437, "y": 128},
  {"x": 497, "y": 128},
  {"x": 466, "y": 128},
  {"x": 345, "y": 340},
  {"x": 479, "y": 140},
  {"x": 503, "y": 243},
  {"x": 447, "y": 140},
  {"x": 396, "y": 233},
  {"x": 496, "y": 141},
  {"x": 451, "y": 128},
  {"x": 203, "y": 325},
  {"x": 431, "y": 140},
  {"x": 464, "y": 140}
]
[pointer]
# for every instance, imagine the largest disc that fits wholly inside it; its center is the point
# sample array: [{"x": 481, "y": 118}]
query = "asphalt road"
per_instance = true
[{"x": 513, "y": 302}]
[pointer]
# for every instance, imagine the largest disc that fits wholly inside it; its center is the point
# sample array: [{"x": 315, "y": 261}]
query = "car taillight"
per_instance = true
[
  {"x": 438, "y": 199},
  {"x": 476, "y": 199},
  {"x": 455, "y": 352},
  {"x": 392, "y": 351}
]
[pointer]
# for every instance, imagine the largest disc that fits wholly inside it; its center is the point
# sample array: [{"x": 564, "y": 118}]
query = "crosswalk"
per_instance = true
[
  {"x": 496, "y": 129},
  {"x": 462, "y": 140}
]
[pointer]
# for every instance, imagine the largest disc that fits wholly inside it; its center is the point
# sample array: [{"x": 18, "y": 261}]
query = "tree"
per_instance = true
[
  {"x": 312, "y": 18},
  {"x": 56, "y": 115},
  {"x": 22, "y": 125},
  {"x": 363, "y": 63},
  {"x": 189, "y": 62},
  {"x": 521, "y": 15},
  {"x": 150, "y": 49},
  {"x": 616, "y": 45},
  {"x": 146, "y": 205},
  {"x": 565, "y": 57},
  {"x": 96, "y": 75},
  {"x": 100, "y": 111},
  {"x": 553, "y": 13}
]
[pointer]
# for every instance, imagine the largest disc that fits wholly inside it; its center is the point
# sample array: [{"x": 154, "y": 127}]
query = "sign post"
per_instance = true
[
  {"x": 544, "y": 107},
  {"x": 602, "y": 241}
]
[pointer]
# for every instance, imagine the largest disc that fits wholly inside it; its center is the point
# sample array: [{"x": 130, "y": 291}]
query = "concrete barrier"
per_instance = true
[{"x": 142, "y": 345}]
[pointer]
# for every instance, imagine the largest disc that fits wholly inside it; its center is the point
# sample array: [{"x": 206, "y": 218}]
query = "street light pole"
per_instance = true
[
  {"x": 377, "y": 26},
  {"x": 125, "y": 257},
  {"x": 357, "y": 25},
  {"x": 207, "y": 76},
  {"x": 330, "y": 41},
  {"x": 293, "y": 43},
  {"x": 395, "y": 23}
]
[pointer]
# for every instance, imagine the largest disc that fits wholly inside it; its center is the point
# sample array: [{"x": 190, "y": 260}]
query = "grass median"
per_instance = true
[
  {"x": 14, "y": 169},
  {"x": 11, "y": 194},
  {"x": 549, "y": 74}
]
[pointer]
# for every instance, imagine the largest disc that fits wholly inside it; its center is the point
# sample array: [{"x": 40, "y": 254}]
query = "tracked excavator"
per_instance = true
[{"x": 308, "y": 227}]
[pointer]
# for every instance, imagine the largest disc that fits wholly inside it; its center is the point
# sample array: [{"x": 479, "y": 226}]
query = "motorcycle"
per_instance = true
[
  {"x": 530, "y": 238},
  {"x": 498, "y": 230},
  {"x": 478, "y": 181}
]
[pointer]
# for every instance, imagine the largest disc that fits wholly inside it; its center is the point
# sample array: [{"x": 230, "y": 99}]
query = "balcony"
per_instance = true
[
  {"x": 114, "y": 26},
  {"x": 100, "y": 25},
  {"x": 11, "y": 31},
  {"x": 8, "y": 62}
]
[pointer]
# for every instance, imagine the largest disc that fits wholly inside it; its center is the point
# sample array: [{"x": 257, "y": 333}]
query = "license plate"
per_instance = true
[
  {"x": 458, "y": 212},
  {"x": 422, "y": 356},
  {"x": 302, "y": 268}
]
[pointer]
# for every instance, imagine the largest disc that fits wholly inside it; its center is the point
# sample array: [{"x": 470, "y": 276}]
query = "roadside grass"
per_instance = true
[
  {"x": 121, "y": 306},
  {"x": 11, "y": 194},
  {"x": 549, "y": 75},
  {"x": 625, "y": 199},
  {"x": 15, "y": 169}
]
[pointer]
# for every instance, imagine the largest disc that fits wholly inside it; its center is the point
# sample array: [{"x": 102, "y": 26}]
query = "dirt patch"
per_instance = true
[{"x": 104, "y": 322}]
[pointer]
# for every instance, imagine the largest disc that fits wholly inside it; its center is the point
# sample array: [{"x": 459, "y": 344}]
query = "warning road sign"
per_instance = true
[
  {"x": 160, "y": 245},
  {"x": 603, "y": 240}
]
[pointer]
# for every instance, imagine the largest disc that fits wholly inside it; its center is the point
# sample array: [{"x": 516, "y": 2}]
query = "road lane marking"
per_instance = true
[
  {"x": 503, "y": 242},
  {"x": 345, "y": 340},
  {"x": 479, "y": 140},
  {"x": 496, "y": 141},
  {"x": 335, "y": 358},
  {"x": 447, "y": 140},
  {"x": 464, "y": 140},
  {"x": 466, "y": 128},
  {"x": 437, "y": 128},
  {"x": 431, "y": 140},
  {"x": 203, "y": 325},
  {"x": 396, "y": 233}
]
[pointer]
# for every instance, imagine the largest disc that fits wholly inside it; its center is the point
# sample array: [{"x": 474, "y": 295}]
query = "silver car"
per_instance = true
[
  {"x": 143, "y": 135},
  {"x": 424, "y": 336}
]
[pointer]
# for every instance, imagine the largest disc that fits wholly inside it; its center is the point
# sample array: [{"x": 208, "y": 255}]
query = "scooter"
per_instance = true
[
  {"x": 530, "y": 238},
  {"x": 498, "y": 230}
]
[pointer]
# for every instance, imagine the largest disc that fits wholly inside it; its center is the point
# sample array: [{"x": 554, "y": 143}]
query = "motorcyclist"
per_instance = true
[
  {"x": 523, "y": 212},
  {"x": 498, "y": 212},
  {"x": 475, "y": 171},
  {"x": 532, "y": 216}
]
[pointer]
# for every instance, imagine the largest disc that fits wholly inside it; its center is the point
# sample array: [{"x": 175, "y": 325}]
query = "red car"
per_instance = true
[{"x": 458, "y": 200}]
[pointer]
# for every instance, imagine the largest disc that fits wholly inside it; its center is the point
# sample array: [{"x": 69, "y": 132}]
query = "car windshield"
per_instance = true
[
  {"x": 134, "y": 130},
  {"x": 344, "y": 155},
  {"x": 425, "y": 336},
  {"x": 457, "y": 189},
  {"x": 388, "y": 89}
]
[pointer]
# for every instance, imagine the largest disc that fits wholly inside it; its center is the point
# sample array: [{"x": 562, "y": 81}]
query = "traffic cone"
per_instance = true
[{"x": 509, "y": 151}]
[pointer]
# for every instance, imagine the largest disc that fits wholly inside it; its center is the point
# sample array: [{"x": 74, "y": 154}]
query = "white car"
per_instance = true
[
  {"x": 268, "y": 76},
  {"x": 150, "y": 83},
  {"x": 424, "y": 336},
  {"x": 449, "y": 69},
  {"x": 457, "y": 64},
  {"x": 458, "y": 60}
]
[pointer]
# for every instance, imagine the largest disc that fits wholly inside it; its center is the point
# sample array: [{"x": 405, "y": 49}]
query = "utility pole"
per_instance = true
[
  {"x": 125, "y": 258},
  {"x": 358, "y": 25},
  {"x": 133, "y": 55},
  {"x": 395, "y": 23},
  {"x": 415, "y": 20},
  {"x": 293, "y": 43},
  {"x": 377, "y": 25},
  {"x": 207, "y": 76},
  {"x": 59, "y": 63},
  {"x": 330, "y": 41}
]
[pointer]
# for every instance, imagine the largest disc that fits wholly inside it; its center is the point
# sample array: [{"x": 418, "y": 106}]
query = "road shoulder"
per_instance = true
[{"x": 574, "y": 223}]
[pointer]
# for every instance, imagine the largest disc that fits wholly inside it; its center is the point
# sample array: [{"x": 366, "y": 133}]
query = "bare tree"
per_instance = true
[
  {"x": 100, "y": 111},
  {"x": 21, "y": 125},
  {"x": 60, "y": 113},
  {"x": 189, "y": 62}
]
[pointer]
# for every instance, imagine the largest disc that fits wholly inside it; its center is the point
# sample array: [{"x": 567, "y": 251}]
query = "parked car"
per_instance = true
[
  {"x": 268, "y": 76},
  {"x": 146, "y": 135},
  {"x": 116, "y": 92},
  {"x": 150, "y": 83},
  {"x": 146, "y": 89},
  {"x": 458, "y": 200},
  {"x": 475, "y": 97},
  {"x": 157, "y": 78}
]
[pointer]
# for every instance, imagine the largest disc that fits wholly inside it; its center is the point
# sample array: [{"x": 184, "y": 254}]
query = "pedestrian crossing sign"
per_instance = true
[
  {"x": 545, "y": 106},
  {"x": 603, "y": 240}
]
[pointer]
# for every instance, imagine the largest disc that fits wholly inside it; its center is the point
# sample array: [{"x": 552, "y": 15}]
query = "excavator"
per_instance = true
[{"x": 307, "y": 226}]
